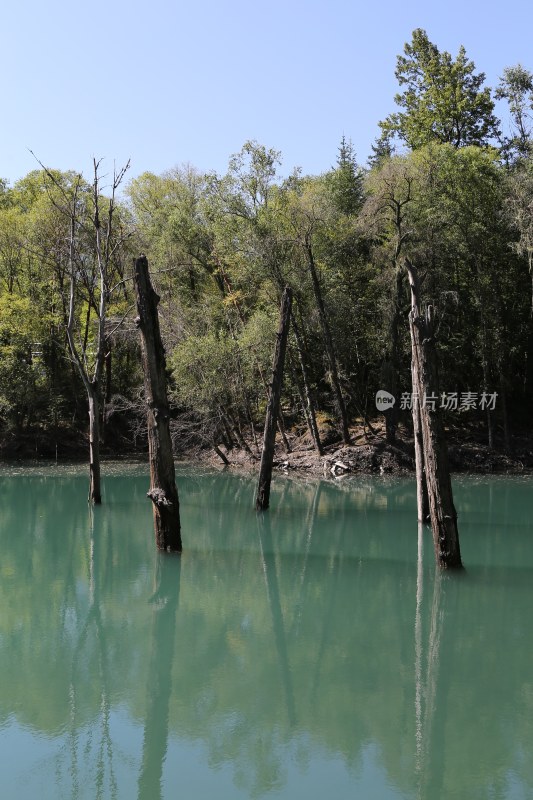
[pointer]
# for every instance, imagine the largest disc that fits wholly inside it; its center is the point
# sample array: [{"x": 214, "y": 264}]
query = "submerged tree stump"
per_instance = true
[
  {"x": 269, "y": 436},
  {"x": 95, "y": 494},
  {"x": 163, "y": 492},
  {"x": 428, "y": 420}
]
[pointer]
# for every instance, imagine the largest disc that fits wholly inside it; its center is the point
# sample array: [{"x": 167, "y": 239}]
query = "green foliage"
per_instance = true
[
  {"x": 250, "y": 177},
  {"x": 23, "y": 374},
  {"x": 221, "y": 249},
  {"x": 444, "y": 208},
  {"x": 5, "y": 194},
  {"x": 516, "y": 86},
  {"x": 204, "y": 369},
  {"x": 346, "y": 180},
  {"x": 443, "y": 100},
  {"x": 382, "y": 149}
]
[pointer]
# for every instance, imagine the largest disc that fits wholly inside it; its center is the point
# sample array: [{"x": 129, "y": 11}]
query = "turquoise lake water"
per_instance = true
[{"x": 309, "y": 652}]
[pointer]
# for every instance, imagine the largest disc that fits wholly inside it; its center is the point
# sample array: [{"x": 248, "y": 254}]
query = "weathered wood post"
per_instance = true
[
  {"x": 435, "y": 454},
  {"x": 269, "y": 437},
  {"x": 95, "y": 495},
  {"x": 421, "y": 485},
  {"x": 422, "y": 503},
  {"x": 163, "y": 492}
]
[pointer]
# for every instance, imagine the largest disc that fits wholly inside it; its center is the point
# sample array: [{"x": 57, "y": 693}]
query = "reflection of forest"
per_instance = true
[{"x": 308, "y": 630}]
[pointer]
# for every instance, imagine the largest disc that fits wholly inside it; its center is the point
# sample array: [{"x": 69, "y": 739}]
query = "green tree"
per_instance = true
[
  {"x": 175, "y": 230},
  {"x": 32, "y": 314},
  {"x": 443, "y": 99},
  {"x": 5, "y": 195},
  {"x": 346, "y": 180},
  {"x": 382, "y": 149},
  {"x": 516, "y": 86},
  {"x": 443, "y": 208},
  {"x": 387, "y": 217}
]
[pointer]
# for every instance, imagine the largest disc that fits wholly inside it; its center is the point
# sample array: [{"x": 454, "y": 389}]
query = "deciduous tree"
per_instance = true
[{"x": 94, "y": 240}]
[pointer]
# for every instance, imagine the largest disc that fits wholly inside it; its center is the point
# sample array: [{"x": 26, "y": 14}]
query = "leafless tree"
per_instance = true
[{"x": 95, "y": 241}]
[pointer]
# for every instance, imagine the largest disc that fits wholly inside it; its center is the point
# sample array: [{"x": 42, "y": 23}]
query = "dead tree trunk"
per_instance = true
[
  {"x": 163, "y": 492},
  {"x": 108, "y": 371},
  {"x": 95, "y": 495},
  {"x": 221, "y": 455},
  {"x": 269, "y": 438},
  {"x": 422, "y": 504},
  {"x": 426, "y": 385},
  {"x": 281, "y": 429},
  {"x": 505, "y": 417}
]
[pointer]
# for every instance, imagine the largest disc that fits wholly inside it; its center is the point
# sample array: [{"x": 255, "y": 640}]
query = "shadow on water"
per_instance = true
[
  {"x": 430, "y": 712},
  {"x": 468, "y": 668},
  {"x": 164, "y": 601},
  {"x": 92, "y": 646},
  {"x": 272, "y": 588}
]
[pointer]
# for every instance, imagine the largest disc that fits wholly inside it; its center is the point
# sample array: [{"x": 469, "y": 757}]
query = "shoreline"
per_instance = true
[
  {"x": 372, "y": 458},
  {"x": 369, "y": 454}
]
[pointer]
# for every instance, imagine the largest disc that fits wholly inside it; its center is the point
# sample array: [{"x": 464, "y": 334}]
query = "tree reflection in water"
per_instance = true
[
  {"x": 272, "y": 587},
  {"x": 165, "y": 601},
  {"x": 98, "y": 744},
  {"x": 291, "y": 651}
]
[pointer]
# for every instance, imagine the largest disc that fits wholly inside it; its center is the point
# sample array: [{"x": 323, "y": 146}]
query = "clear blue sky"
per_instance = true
[{"x": 191, "y": 80}]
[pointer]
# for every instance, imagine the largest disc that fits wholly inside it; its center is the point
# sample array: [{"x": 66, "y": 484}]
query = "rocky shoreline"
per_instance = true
[{"x": 373, "y": 455}]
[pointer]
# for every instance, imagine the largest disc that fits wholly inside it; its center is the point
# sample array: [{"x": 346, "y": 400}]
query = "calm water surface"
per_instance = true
[{"x": 310, "y": 652}]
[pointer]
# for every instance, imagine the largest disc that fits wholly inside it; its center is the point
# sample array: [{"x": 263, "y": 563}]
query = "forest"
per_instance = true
[{"x": 449, "y": 186}]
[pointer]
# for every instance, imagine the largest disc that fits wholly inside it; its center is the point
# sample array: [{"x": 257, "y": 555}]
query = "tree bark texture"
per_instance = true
[
  {"x": 163, "y": 492},
  {"x": 425, "y": 384},
  {"x": 269, "y": 437},
  {"x": 95, "y": 495},
  {"x": 422, "y": 503}
]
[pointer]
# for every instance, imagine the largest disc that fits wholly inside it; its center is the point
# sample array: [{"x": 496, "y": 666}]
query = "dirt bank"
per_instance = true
[{"x": 371, "y": 454}]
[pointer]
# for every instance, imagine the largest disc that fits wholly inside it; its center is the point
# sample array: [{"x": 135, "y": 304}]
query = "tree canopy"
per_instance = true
[
  {"x": 222, "y": 247},
  {"x": 443, "y": 99}
]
